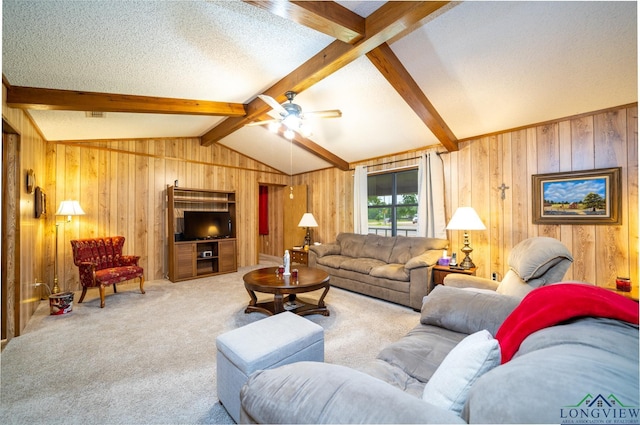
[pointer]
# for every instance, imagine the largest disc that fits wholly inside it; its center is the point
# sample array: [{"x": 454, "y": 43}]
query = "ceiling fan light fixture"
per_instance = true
[
  {"x": 289, "y": 134},
  {"x": 291, "y": 117},
  {"x": 292, "y": 122},
  {"x": 305, "y": 130},
  {"x": 274, "y": 126}
]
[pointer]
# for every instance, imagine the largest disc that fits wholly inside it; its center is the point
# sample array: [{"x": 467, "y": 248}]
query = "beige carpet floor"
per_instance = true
[{"x": 151, "y": 359}]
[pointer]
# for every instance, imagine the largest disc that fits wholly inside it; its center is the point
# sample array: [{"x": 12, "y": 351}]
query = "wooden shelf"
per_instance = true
[{"x": 200, "y": 258}]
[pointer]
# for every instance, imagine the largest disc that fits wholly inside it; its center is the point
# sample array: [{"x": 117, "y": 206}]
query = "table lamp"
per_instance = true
[
  {"x": 466, "y": 218},
  {"x": 68, "y": 208},
  {"x": 307, "y": 221}
]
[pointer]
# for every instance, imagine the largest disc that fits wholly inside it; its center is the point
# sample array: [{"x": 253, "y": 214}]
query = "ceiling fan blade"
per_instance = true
[
  {"x": 331, "y": 113},
  {"x": 273, "y": 103}
]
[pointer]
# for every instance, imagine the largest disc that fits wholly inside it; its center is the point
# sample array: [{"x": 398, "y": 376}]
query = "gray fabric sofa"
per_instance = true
[
  {"x": 396, "y": 269},
  {"x": 576, "y": 371}
]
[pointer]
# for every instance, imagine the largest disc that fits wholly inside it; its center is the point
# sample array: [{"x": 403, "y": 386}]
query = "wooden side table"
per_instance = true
[
  {"x": 439, "y": 273},
  {"x": 299, "y": 256}
]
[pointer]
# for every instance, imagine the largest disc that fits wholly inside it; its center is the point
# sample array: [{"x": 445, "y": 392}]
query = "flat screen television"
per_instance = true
[{"x": 206, "y": 225}]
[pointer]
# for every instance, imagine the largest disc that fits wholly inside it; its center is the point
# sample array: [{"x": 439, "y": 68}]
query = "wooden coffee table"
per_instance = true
[{"x": 267, "y": 281}]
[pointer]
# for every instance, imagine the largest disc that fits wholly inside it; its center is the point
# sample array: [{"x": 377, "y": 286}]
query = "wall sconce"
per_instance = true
[{"x": 31, "y": 180}]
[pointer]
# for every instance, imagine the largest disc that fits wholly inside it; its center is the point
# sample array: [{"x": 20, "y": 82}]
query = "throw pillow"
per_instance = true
[{"x": 449, "y": 386}]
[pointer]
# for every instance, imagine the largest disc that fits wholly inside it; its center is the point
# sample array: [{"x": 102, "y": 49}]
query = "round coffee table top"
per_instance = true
[{"x": 267, "y": 280}]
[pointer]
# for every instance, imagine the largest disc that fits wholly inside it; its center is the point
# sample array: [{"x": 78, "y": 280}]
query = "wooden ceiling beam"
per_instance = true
[
  {"x": 72, "y": 100},
  {"x": 311, "y": 146},
  {"x": 397, "y": 75},
  {"x": 327, "y": 17},
  {"x": 382, "y": 25},
  {"x": 319, "y": 151}
]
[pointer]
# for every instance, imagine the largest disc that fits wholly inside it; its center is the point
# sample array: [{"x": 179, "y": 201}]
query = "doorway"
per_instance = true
[
  {"x": 10, "y": 234},
  {"x": 282, "y": 214}
]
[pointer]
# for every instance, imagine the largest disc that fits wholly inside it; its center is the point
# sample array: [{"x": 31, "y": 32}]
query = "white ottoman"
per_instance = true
[{"x": 271, "y": 342}]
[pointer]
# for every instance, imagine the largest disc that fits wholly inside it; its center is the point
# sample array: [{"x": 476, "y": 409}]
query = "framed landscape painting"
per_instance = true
[{"x": 577, "y": 197}]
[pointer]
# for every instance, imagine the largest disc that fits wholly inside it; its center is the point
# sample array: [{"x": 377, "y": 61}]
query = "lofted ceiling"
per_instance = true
[{"x": 422, "y": 74}]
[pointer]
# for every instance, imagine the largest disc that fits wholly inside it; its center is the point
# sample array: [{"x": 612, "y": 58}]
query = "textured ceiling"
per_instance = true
[{"x": 485, "y": 67}]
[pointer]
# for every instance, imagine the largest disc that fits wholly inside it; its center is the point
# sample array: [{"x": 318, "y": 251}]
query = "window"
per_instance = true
[{"x": 393, "y": 203}]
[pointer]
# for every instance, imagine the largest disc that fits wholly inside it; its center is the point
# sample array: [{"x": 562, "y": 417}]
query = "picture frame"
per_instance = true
[{"x": 578, "y": 197}]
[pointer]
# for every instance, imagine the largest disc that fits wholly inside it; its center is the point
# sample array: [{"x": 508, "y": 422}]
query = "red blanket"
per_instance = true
[{"x": 549, "y": 305}]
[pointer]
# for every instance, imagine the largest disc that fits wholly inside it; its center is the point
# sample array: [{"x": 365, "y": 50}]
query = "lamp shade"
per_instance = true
[
  {"x": 69, "y": 208},
  {"x": 308, "y": 221},
  {"x": 465, "y": 218}
]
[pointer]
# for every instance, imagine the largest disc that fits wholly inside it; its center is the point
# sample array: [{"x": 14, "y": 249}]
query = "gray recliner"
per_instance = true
[{"x": 534, "y": 262}]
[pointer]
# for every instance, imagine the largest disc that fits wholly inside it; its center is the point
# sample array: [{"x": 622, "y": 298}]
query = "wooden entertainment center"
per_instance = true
[{"x": 190, "y": 259}]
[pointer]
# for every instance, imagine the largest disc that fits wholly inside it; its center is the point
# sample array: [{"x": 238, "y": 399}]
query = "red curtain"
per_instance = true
[{"x": 263, "y": 210}]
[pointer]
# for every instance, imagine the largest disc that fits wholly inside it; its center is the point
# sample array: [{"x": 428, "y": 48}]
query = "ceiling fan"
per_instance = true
[{"x": 290, "y": 116}]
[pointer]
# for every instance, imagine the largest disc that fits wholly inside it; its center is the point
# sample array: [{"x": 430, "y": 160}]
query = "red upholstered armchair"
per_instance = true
[{"x": 101, "y": 263}]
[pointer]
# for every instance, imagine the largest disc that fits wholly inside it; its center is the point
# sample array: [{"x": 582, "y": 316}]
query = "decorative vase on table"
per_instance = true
[{"x": 287, "y": 263}]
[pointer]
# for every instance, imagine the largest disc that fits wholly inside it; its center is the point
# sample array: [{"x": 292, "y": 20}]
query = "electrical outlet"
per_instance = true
[{"x": 494, "y": 276}]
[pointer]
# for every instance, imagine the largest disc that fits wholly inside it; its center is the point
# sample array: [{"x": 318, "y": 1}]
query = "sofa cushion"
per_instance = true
[
  {"x": 391, "y": 271},
  {"x": 378, "y": 247},
  {"x": 351, "y": 244},
  {"x": 361, "y": 265},
  {"x": 406, "y": 248},
  {"x": 466, "y": 310},
  {"x": 419, "y": 353},
  {"x": 118, "y": 274},
  {"x": 367, "y": 284},
  {"x": 393, "y": 375},
  {"x": 474, "y": 356},
  {"x": 332, "y": 261}
]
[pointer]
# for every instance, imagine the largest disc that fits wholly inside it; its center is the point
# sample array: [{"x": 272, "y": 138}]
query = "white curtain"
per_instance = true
[
  {"x": 360, "y": 213},
  {"x": 431, "y": 215}
]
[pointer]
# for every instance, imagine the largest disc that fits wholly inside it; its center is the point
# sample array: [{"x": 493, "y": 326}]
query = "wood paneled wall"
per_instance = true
[
  {"x": 600, "y": 140},
  {"x": 330, "y": 200},
  {"x": 474, "y": 173},
  {"x": 121, "y": 185},
  {"x": 27, "y": 237}
]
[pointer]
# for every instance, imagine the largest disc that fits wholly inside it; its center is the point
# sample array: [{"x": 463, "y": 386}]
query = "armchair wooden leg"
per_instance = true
[
  {"x": 84, "y": 292},
  {"x": 142, "y": 284},
  {"x": 115, "y": 290},
  {"x": 101, "y": 296}
]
